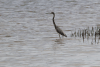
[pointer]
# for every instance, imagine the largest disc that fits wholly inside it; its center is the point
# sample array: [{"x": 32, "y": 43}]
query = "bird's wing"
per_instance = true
[{"x": 59, "y": 30}]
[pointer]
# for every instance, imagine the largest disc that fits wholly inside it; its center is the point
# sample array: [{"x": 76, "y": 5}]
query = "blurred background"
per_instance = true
[{"x": 28, "y": 37}]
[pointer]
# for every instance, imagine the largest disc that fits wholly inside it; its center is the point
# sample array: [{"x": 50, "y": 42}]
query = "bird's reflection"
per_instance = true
[
  {"x": 57, "y": 44},
  {"x": 59, "y": 41}
]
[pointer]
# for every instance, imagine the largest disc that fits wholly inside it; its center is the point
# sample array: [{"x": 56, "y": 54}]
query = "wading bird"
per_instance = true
[{"x": 59, "y": 31}]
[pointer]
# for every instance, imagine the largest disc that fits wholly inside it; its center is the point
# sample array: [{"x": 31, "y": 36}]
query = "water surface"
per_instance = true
[{"x": 28, "y": 37}]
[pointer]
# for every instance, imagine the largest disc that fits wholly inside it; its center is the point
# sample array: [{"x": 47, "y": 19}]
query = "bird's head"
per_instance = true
[{"x": 50, "y": 13}]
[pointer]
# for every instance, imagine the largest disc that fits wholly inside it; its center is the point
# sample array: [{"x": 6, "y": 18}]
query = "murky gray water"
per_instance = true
[{"x": 28, "y": 37}]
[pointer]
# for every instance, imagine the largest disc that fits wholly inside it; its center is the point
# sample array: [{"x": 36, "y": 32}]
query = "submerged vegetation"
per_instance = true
[{"x": 89, "y": 33}]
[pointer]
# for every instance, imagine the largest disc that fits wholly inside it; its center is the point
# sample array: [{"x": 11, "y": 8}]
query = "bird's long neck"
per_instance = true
[{"x": 54, "y": 20}]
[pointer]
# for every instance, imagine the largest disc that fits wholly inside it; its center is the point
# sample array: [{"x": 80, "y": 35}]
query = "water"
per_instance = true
[{"x": 28, "y": 37}]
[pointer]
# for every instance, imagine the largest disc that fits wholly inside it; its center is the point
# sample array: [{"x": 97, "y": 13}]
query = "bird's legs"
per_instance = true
[
  {"x": 59, "y": 36},
  {"x": 62, "y": 36}
]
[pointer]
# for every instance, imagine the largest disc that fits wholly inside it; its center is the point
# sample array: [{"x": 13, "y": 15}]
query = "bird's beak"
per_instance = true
[{"x": 48, "y": 13}]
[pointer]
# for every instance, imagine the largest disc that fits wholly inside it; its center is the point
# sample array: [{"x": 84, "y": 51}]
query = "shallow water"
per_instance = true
[{"x": 28, "y": 37}]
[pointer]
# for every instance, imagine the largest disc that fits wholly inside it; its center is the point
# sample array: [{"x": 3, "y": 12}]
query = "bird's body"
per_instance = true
[{"x": 59, "y": 31}]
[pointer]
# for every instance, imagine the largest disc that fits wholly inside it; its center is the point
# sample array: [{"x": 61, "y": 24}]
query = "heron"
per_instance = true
[{"x": 58, "y": 30}]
